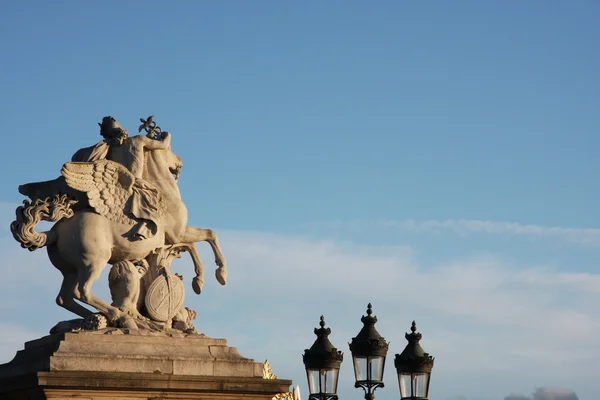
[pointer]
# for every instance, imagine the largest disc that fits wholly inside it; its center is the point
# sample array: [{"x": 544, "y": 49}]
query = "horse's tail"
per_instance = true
[{"x": 30, "y": 214}]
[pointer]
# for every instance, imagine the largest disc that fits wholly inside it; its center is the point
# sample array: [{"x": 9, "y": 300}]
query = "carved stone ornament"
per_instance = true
[
  {"x": 118, "y": 202},
  {"x": 268, "y": 374},
  {"x": 295, "y": 395},
  {"x": 267, "y": 371}
]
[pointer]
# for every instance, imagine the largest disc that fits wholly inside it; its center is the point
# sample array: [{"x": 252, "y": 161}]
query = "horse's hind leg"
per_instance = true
[
  {"x": 192, "y": 235},
  {"x": 85, "y": 279},
  {"x": 66, "y": 297}
]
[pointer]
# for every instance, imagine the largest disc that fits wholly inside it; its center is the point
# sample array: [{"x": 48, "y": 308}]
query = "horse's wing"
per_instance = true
[{"x": 107, "y": 184}]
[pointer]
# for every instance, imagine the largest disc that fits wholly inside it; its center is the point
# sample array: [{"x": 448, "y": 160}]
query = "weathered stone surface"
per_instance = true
[
  {"x": 63, "y": 385},
  {"x": 118, "y": 202},
  {"x": 109, "y": 350},
  {"x": 111, "y": 364}
]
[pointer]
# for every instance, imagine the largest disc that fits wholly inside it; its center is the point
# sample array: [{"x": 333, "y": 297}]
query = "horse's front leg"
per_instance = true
[{"x": 192, "y": 235}]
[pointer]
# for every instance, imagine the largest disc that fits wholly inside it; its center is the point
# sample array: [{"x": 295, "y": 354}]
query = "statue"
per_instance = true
[{"x": 118, "y": 203}]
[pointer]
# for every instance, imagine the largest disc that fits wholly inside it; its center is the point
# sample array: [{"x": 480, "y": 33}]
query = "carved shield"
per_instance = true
[{"x": 164, "y": 297}]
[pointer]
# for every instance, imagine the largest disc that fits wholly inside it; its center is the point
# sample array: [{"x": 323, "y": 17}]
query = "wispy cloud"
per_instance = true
[{"x": 586, "y": 236}]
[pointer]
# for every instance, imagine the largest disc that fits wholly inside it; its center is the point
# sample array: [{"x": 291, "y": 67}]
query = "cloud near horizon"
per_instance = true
[
  {"x": 546, "y": 393},
  {"x": 582, "y": 236},
  {"x": 488, "y": 322}
]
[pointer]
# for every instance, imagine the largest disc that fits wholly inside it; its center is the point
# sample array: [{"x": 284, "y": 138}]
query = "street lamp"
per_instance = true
[
  {"x": 414, "y": 368},
  {"x": 322, "y": 363},
  {"x": 368, "y": 350}
]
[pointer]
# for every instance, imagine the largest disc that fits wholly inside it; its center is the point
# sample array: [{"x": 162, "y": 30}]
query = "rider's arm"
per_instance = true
[{"x": 152, "y": 144}]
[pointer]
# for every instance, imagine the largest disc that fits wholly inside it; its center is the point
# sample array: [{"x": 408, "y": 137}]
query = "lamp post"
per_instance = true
[
  {"x": 322, "y": 363},
  {"x": 369, "y": 350},
  {"x": 414, "y": 368}
]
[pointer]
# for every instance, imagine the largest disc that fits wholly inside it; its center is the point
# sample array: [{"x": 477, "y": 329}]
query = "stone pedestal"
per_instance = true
[{"x": 112, "y": 364}]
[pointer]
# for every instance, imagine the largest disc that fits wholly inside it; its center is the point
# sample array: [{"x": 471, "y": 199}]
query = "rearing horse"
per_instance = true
[{"x": 82, "y": 244}]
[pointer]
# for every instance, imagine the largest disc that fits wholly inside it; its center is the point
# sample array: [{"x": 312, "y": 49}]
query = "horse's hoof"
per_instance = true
[
  {"x": 126, "y": 322},
  {"x": 197, "y": 284},
  {"x": 221, "y": 274}
]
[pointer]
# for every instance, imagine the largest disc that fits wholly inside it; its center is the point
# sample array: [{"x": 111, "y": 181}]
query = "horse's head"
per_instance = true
[
  {"x": 174, "y": 163},
  {"x": 162, "y": 167}
]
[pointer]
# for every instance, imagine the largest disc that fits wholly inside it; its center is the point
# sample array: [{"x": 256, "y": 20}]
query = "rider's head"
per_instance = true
[{"x": 112, "y": 131}]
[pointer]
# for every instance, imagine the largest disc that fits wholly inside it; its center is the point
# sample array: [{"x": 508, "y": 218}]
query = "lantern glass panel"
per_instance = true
[
  {"x": 360, "y": 368},
  {"x": 376, "y": 368},
  {"x": 420, "y": 384},
  {"x": 413, "y": 385},
  {"x": 329, "y": 380},
  {"x": 404, "y": 381},
  {"x": 321, "y": 381},
  {"x": 313, "y": 380}
]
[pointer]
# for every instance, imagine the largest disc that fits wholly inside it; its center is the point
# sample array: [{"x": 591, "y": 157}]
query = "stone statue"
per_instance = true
[{"x": 118, "y": 203}]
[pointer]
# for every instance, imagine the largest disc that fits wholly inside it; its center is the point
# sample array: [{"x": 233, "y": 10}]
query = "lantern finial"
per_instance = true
[{"x": 413, "y": 336}]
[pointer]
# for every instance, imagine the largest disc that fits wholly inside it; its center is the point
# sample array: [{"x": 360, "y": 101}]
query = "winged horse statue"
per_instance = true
[{"x": 115, "y": 202}]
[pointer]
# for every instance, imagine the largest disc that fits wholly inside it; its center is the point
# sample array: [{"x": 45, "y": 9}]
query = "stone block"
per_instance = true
[{"x": 117, "y": 364}]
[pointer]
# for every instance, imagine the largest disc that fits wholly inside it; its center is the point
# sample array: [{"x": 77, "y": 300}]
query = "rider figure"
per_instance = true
[
  {"x": 119, "y": 147},
  {"x": 129, "y": 152}
]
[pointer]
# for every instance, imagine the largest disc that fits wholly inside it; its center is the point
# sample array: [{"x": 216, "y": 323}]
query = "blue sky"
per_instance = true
[{"x": 450, "y": 145}]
